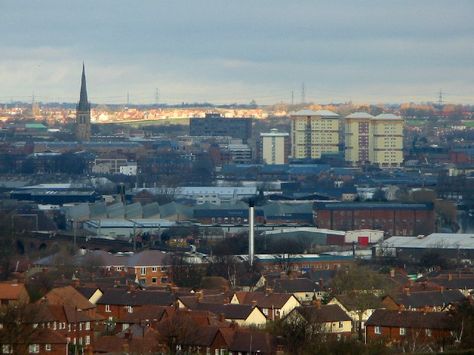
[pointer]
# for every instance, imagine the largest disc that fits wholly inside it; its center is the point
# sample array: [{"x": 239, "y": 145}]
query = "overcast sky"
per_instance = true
[{"x": 235, "y": 51}]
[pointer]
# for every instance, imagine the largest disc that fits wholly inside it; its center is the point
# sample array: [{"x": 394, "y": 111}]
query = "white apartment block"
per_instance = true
[{"x": 274, "y": 147}]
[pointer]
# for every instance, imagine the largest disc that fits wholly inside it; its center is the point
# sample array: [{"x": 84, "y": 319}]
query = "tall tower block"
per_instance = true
[{"x": 83, "y": 112}]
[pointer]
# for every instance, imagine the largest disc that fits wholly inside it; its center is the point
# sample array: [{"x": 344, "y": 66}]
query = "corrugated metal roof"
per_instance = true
[{"x": 432, "y": 241}]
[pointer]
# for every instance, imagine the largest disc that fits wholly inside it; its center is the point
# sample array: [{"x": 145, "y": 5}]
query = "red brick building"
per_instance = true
[
  {"x": 406, "y": 328},
  {"x": 393, "y": 218}
]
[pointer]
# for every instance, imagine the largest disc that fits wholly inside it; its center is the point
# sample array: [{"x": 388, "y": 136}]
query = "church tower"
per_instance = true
[{"x": 83, "y": 112}]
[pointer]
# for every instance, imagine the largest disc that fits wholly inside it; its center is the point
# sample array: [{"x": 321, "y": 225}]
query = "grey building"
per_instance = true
[{"x": 216, "y": 125}]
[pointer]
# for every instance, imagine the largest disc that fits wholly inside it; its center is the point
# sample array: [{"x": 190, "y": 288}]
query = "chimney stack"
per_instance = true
[{"x": 251, "y": 232}]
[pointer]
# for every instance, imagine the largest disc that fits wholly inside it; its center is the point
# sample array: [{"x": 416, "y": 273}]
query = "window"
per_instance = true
[
  {"x": 88, "y": 340},
  {"x": 6, "y": 349},
  {"x": 377, "y": 330},
  {"x": 107, "y": 308},
  {"x": 47, "y": 347},
  {"x": 153, "y": 280},
  {"x": 33, "y": 348},
  {"x": 143, "y": 270},
  {"x": 154, "y": 269},
  {"x": 428, "y": 332},
  {"x": 129, "y": 309},
  {"x": 88, "y": 325},
  {"x": 341, "y": 324},
  {"x": 402, "y": 331}
]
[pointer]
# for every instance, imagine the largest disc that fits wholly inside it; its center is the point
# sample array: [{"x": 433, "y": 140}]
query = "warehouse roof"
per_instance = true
[{"x": 432, "y": 241}]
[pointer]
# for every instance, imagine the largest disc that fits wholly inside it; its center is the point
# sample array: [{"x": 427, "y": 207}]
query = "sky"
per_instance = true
[{"x": 224, "y": 51}]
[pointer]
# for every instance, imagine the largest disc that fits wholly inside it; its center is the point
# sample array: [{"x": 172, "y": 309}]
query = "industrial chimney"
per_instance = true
[{"x": 251, "y": 232}]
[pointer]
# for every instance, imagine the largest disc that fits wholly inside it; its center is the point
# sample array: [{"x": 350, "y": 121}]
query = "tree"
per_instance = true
[
  {"x": 184, "y": 274},
  {"x": 178, "y": 333},
  {"x": 17, "y": 326},
  {"x": 362, "y": 287}
]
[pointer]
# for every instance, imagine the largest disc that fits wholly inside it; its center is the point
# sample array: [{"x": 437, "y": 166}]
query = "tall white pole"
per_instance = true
[{"x": 251, "y": 232}]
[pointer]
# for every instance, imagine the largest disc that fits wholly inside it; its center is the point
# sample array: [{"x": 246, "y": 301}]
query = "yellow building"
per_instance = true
[
  {"x": 387, "y": 140},
  {"x": 358, "y": 138},
  {"x": 314, "y": 133},
  {"x": 376, "y": 140}
]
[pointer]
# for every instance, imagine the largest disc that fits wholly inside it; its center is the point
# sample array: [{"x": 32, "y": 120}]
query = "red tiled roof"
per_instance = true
[
  {"x": 68, "y": 296},
  {"x": 411, "y": 319},
  {"x": 11, "y": 291}
]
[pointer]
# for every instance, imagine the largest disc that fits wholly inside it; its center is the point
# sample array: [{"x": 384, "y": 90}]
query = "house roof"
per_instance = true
[
  {"x": 47, "y": 336},
  {"x": 323, "y": 314},
  {"x": 295, "y": 285},
  {"x": 410, "y": 319},
  {"x": 124, "y": 297},
  {"x": 146, "y": 313},
  {"x": 230, "y": 311},
  {"x": 351, "y": 304},
  {"x": 260, "y": 342},
  {"x": 429, "y": 298},
  {"x": 263, "y": 300},
  {"x": 67, "y": 296},
  {"x": 11, "y": 291},
  {"x": 87, "y": 292}
]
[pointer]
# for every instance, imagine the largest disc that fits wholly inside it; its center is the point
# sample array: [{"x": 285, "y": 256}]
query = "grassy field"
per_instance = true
[{"x": 415, "y": 122}]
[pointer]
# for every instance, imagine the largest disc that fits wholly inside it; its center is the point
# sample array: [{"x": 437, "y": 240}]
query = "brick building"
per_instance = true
[
  {"x": 392, "y": 218},
  {"x": 404, "y": 328}
]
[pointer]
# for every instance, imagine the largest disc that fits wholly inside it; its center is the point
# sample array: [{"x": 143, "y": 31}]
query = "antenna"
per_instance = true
[
  {"x": 303, "y": 94},
  {"x": 440, "y": 98},
  {"x": 292, "y": 97},
  {"x": 157, "y": 96}
]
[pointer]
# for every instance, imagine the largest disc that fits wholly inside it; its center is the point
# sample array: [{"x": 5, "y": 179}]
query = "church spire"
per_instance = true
[{"x": 83, "y": 103}]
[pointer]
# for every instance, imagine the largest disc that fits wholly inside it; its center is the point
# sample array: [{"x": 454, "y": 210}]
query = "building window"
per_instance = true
[
  {"x": 34, "y": 348},
  {"x": 129, "y": 309},
  {"x": 377, "y": 330},
  {"x": 6, "y": 349},
  {"x": 402, "y": 331},
  {"x": 341, "y": 324},
  {"x": 47, "y": 347},
  {"x": 88, "y": 339},
  {"x": 107, "y": 308},
  {"x": 143, "y": 271},
  {"x": 88, "y": 325},
  {"x": 428, "y": 332},
  {"x": 153, "y": 280},
  {"x": 154, "y": 269}
]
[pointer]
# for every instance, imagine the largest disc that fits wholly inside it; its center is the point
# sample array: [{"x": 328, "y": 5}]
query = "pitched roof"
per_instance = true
[
  {"x": 87, "y": 292},
  {"x": 429, "y": 298},
  {"x": 260, "y": 342},
  {"x": 411, "y": 319},
  {"x": 230, "y": 311},
  {"x": 145, "y": 313},
  {"x": 264, "y": 300},
  {"x": 323, "y": 314},
  {"x": 68, "y": 296},
  {"x": 11, "y": 291},
  {"x": 351, "y": 304},
  {"x": 124, "y": 297}
]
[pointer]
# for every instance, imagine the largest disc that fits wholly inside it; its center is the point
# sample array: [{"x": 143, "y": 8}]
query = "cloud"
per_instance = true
[{"x": 233, "y": 51}]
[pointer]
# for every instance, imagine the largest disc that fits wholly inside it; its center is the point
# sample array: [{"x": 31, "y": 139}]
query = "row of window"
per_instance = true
[{"x": 402, "y": 331}]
